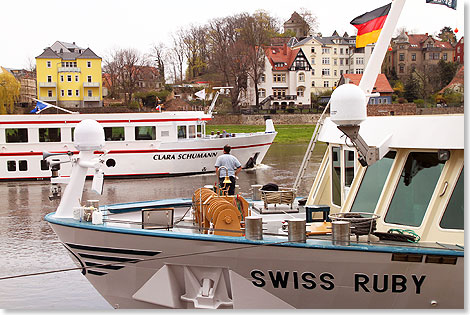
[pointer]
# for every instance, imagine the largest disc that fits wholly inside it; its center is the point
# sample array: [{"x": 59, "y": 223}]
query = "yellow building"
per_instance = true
[{"x": 69, "y": 76}]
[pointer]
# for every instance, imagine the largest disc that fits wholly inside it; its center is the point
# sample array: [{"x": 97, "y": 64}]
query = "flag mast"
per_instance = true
[
  {"x": 50, "y": 105},
  {"x": 375, "y": 62}
]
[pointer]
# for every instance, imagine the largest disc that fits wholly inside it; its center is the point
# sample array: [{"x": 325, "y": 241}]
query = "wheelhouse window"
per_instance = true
[
  {"x": 349, "y": 162},
  {"x": 453, "y": 217},
  {"x": 372, "y": 184},
  {"x": 15, "y": 135},
  {"x": 182, "y": 132},
  {"x": 192, "y": 131},
  {"x": 145, "y": 133},
  {"x": 199, "y": 131},
  {"x": 415, "y": 188},
  {"x": 49, "y": 135},
  {"x": 336, "y": 175},
  {"x": 114, "y": 133}
]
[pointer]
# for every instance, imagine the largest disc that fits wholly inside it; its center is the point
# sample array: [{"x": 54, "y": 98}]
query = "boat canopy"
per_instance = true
[{"x": 418, "y": 132}]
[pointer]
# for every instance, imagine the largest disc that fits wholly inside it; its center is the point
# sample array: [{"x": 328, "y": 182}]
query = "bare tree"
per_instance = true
[
  {"x": 160, "y": 56},
  {"x": 178, "y": 54},
  {"x": 195, "y": 42},
  {"x": 310, "y": 20}
]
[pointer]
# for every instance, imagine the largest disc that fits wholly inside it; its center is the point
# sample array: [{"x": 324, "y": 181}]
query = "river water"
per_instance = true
[{"x": 28, "y": 244}]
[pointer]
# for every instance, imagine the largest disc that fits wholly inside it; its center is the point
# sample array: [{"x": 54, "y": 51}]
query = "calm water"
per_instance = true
[{"x": 28, "y": 244}]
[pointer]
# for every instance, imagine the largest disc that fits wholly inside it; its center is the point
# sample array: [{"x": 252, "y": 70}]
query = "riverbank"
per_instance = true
[{"x": 286, "y": 133}]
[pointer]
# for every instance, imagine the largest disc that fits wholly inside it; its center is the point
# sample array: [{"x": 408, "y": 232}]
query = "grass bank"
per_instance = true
[{"x": 286, "y": 133}]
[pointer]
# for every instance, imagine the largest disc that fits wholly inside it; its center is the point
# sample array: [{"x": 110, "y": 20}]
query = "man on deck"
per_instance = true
[{"x": 230, "y": 167}]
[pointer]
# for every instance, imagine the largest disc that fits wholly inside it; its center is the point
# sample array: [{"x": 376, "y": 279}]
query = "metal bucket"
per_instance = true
[
  {"x": 253, "y": 228},
  {"x": 340, "y": 233},
  {"x": 296, "y": 230},
  {"x": 256, "y": 194}
]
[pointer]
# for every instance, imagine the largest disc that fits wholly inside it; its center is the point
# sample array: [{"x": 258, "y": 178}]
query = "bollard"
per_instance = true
[
  {"x": 256, "y": 194},
  {"x": 296, "y": 230},
  {"x": 253, "y": 228},
  {"x": 340, "y": 232}
]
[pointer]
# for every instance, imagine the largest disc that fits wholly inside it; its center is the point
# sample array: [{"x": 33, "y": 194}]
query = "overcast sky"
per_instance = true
[{"x": 28, "y": 26}]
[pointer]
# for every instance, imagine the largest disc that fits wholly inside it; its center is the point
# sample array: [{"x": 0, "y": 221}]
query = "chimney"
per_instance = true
[
  {"x": 285, "y": 49},
  {"x": 426, "y": 34}
]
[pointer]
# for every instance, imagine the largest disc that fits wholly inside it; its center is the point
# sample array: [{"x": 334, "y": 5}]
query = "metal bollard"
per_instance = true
[
  {"x": 340, "y": 233},
  {"x": 253, "y": 228},
  {"x": 296, "y": 230},
  {"x": 256, "y": 194}
]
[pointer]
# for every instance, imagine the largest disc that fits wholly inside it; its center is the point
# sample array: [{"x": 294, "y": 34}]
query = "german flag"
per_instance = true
[{"x": 369, "y": 25}]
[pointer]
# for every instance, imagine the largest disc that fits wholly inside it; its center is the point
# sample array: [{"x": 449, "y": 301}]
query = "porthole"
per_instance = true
[{"x": 110, "y": 163}]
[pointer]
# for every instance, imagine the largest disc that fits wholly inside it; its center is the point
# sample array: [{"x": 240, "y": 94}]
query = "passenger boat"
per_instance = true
[
  {"x": 137, "y": 144},
  {"x": 395, "y": 184}
]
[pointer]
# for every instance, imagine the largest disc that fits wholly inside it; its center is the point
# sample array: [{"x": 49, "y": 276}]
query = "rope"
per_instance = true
[{"x": 415, "y": 237}]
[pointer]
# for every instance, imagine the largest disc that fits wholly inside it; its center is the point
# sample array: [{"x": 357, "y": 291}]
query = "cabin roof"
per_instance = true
[{"x": 420, "y": 132}]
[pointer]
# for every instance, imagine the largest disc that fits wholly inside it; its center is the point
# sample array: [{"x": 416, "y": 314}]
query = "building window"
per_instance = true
[
  {"x": 301, "y": 77},
  {"x": 312, "y": 50},
  {"x": 69, "y": 92},
  {"x": 61, "y": 78},
  {"x": 359, "y": 61},
  {"x": 279, "y": 77},
  {"x": 114, "y": 133},
  {"x": 458, "y": 49},
  {"x": 413, "y": 57},
  {"x": 262, "y": 78},
  {"x": 346, "y": 50},
  {"x": 88, "y": 64},
  {"x": 69, "y": 78},
  {"x": 49, "y": 64},
  {"x": 334, "y": 51},
  {"x": 325, "y": 71},
  {"x": 341, "y": 61},
  {"x": 325, "y": 50},
  {"x": 313, "y": 71},
  {"x": 341, "y": 51},
  {"x": 49, "y": 78},
  {"x": 15, "y": 135},
  {"x": 49, "y": 93},
  {"x": 346, "y": 61},
  {"x": 326, "y": 84},
  {"x": 335, "y": 73},
  {"x": 145, "y": 133},
  {"x": 359, "y": 71},
  {"x": 313, "y": 61},
  {"x": 49, "y": 134},
  {"x": 76, "y": 78},
  {"x": 325, "y": 61},
  {"x": 300, "y": 91},
  {"x": 444, "y": 56},
  {"x": 335, "y": 62},
  {"x": 62, "y": 93},
  {"x": 90, "y": 93},
  {"x": 262, "y": 93},
  {"x": 313, "y": 83},
  {"x": 77, "y": 92},
  {"x": 372, "y": 101},
  {"x": 379, "y": 100},
  {"x": 89, "y": 78},
  {"x": 401, "y": 68}
]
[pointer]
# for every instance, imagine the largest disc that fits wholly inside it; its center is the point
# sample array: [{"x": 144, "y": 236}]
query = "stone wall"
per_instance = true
[
  {"x": 391, "y": 109},
  {"x": 440, "y": 110},
  {"x": 278, "y": 119}
]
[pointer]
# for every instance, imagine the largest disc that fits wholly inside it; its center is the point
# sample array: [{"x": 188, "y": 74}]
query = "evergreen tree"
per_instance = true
[{"x": 411, "y": 89}]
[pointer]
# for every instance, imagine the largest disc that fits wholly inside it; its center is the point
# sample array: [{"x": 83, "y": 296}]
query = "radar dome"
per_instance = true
[
  {"x": 89, "y": 136},
  {"x": 348, "y": 105}
]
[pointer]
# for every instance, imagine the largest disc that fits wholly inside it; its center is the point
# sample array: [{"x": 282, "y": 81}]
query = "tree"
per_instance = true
[
  {"x": 446, "y": 34},
  {"x": 310, "y": 20},
  {"x": 9, "y": 92},
  {"x": 177, "y": 55},
  {"x": 446, "y": 71},
  {"x": 160, "y": 56},
  {"x": 411, "y": 89}
]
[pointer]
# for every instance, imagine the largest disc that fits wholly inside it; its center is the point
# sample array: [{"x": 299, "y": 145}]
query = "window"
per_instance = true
[
  {"x": 341, "y": 61},
  {"x": 61, "y": 78},
  {"x": 11, "y": 166},
  {"x": 313, "y": 83},
  {"x": 413, "y": 57},
  {"x": 199, "y": 131},
  {"x": 326, "y": 84},
  {"x": 402, "y": 57},
  {"x": 415, "y": 188},
  {"x": 89, "y": 78},
  {"x": 349, "y": 162},
  {"x": 347, "y": 50},
  {"x": 22, "y": 165},
  {"x": 90, "y": 93},
  {"x": 401, "y": 68},
  {"x": 145, "y": 133},
  {"x": 49, "y": 134},
  {"x": 313, "y": 71},
  {"x": 69, "y": 93},
  {"x": 334, "y": 51},
  {"x": 301, "y": 77},
  {"x": 181, "y": 132},
  {"x": 49, "y": 64},
  {"x": 88, "y": 64},
  {"x": 458, "y": 49},
  {"x": 114, "y": 133},
  {"x": 300, "y": 91},
  {"x": 325, "y": 72},
  {"x": 49, "y": 78},
  {"x": 279, "y": 77},
  {"x": 335, "y": 73},
  {"x": 69, "y": 78},
  {"x": 325, "y": 50},
  {"x": 372, "y": 184},
  {"x": 262, "y": 93},
  {"x": 325, "y": 61},
  {"x": 444, "y": 56},
  {"x": 62, "y": 92},
  {"x": 77, "y": 92},
  {"x": 359, "y": 61},
  {"x": 335, "y": 62},
  {"x": 49, "y": 93},
  {"x": 341, "y": 51},
  {"x": 312, "y": 50},
  {"x": 372, "y": 101},
  {"x": 262, "y": 78},
  {"x": 359, "y": 71},
  {"x": 192, "y": 131},
  {"x": 340, "y": 72},
  {"x": 76, "y": 78},
  {"x": 346, "y": 61},
  {"x": 15, "y": 135},
  {"x": 336, "y": 175},
  {"x": 453, "y": 217},
  {"x": 44, "y": 165},
  {"x": 312, "y": 61}
]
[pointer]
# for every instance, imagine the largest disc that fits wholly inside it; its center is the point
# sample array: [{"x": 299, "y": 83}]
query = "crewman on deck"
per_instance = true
[{"x": 227, "y": 165}]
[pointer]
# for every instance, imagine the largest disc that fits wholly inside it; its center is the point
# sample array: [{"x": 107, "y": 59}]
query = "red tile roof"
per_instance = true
[
  {"x": 419, "y": 39},
  {"x": 381, "y": 84},
  {"x": 281, "y": 54},
  {"x": 457, "y": 80}
]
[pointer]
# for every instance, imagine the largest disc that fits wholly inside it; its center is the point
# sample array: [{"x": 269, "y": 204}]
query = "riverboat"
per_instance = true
[
  {"x": 395, "y": 184},
  {"x": 137, "y": 144}
]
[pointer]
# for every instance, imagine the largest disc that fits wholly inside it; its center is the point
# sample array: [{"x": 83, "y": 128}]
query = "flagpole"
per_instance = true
[
  {"x": 375, "y": 62},
  {"x": 65, "y": 110}
]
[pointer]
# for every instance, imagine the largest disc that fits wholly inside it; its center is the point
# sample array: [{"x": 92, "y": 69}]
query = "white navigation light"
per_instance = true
[
  {"x": 348, "y": 105},
  {"x": 89, "y": 136}
]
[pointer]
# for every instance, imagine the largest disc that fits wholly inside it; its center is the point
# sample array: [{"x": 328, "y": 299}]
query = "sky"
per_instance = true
[{"x": 29, "y": 26}]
